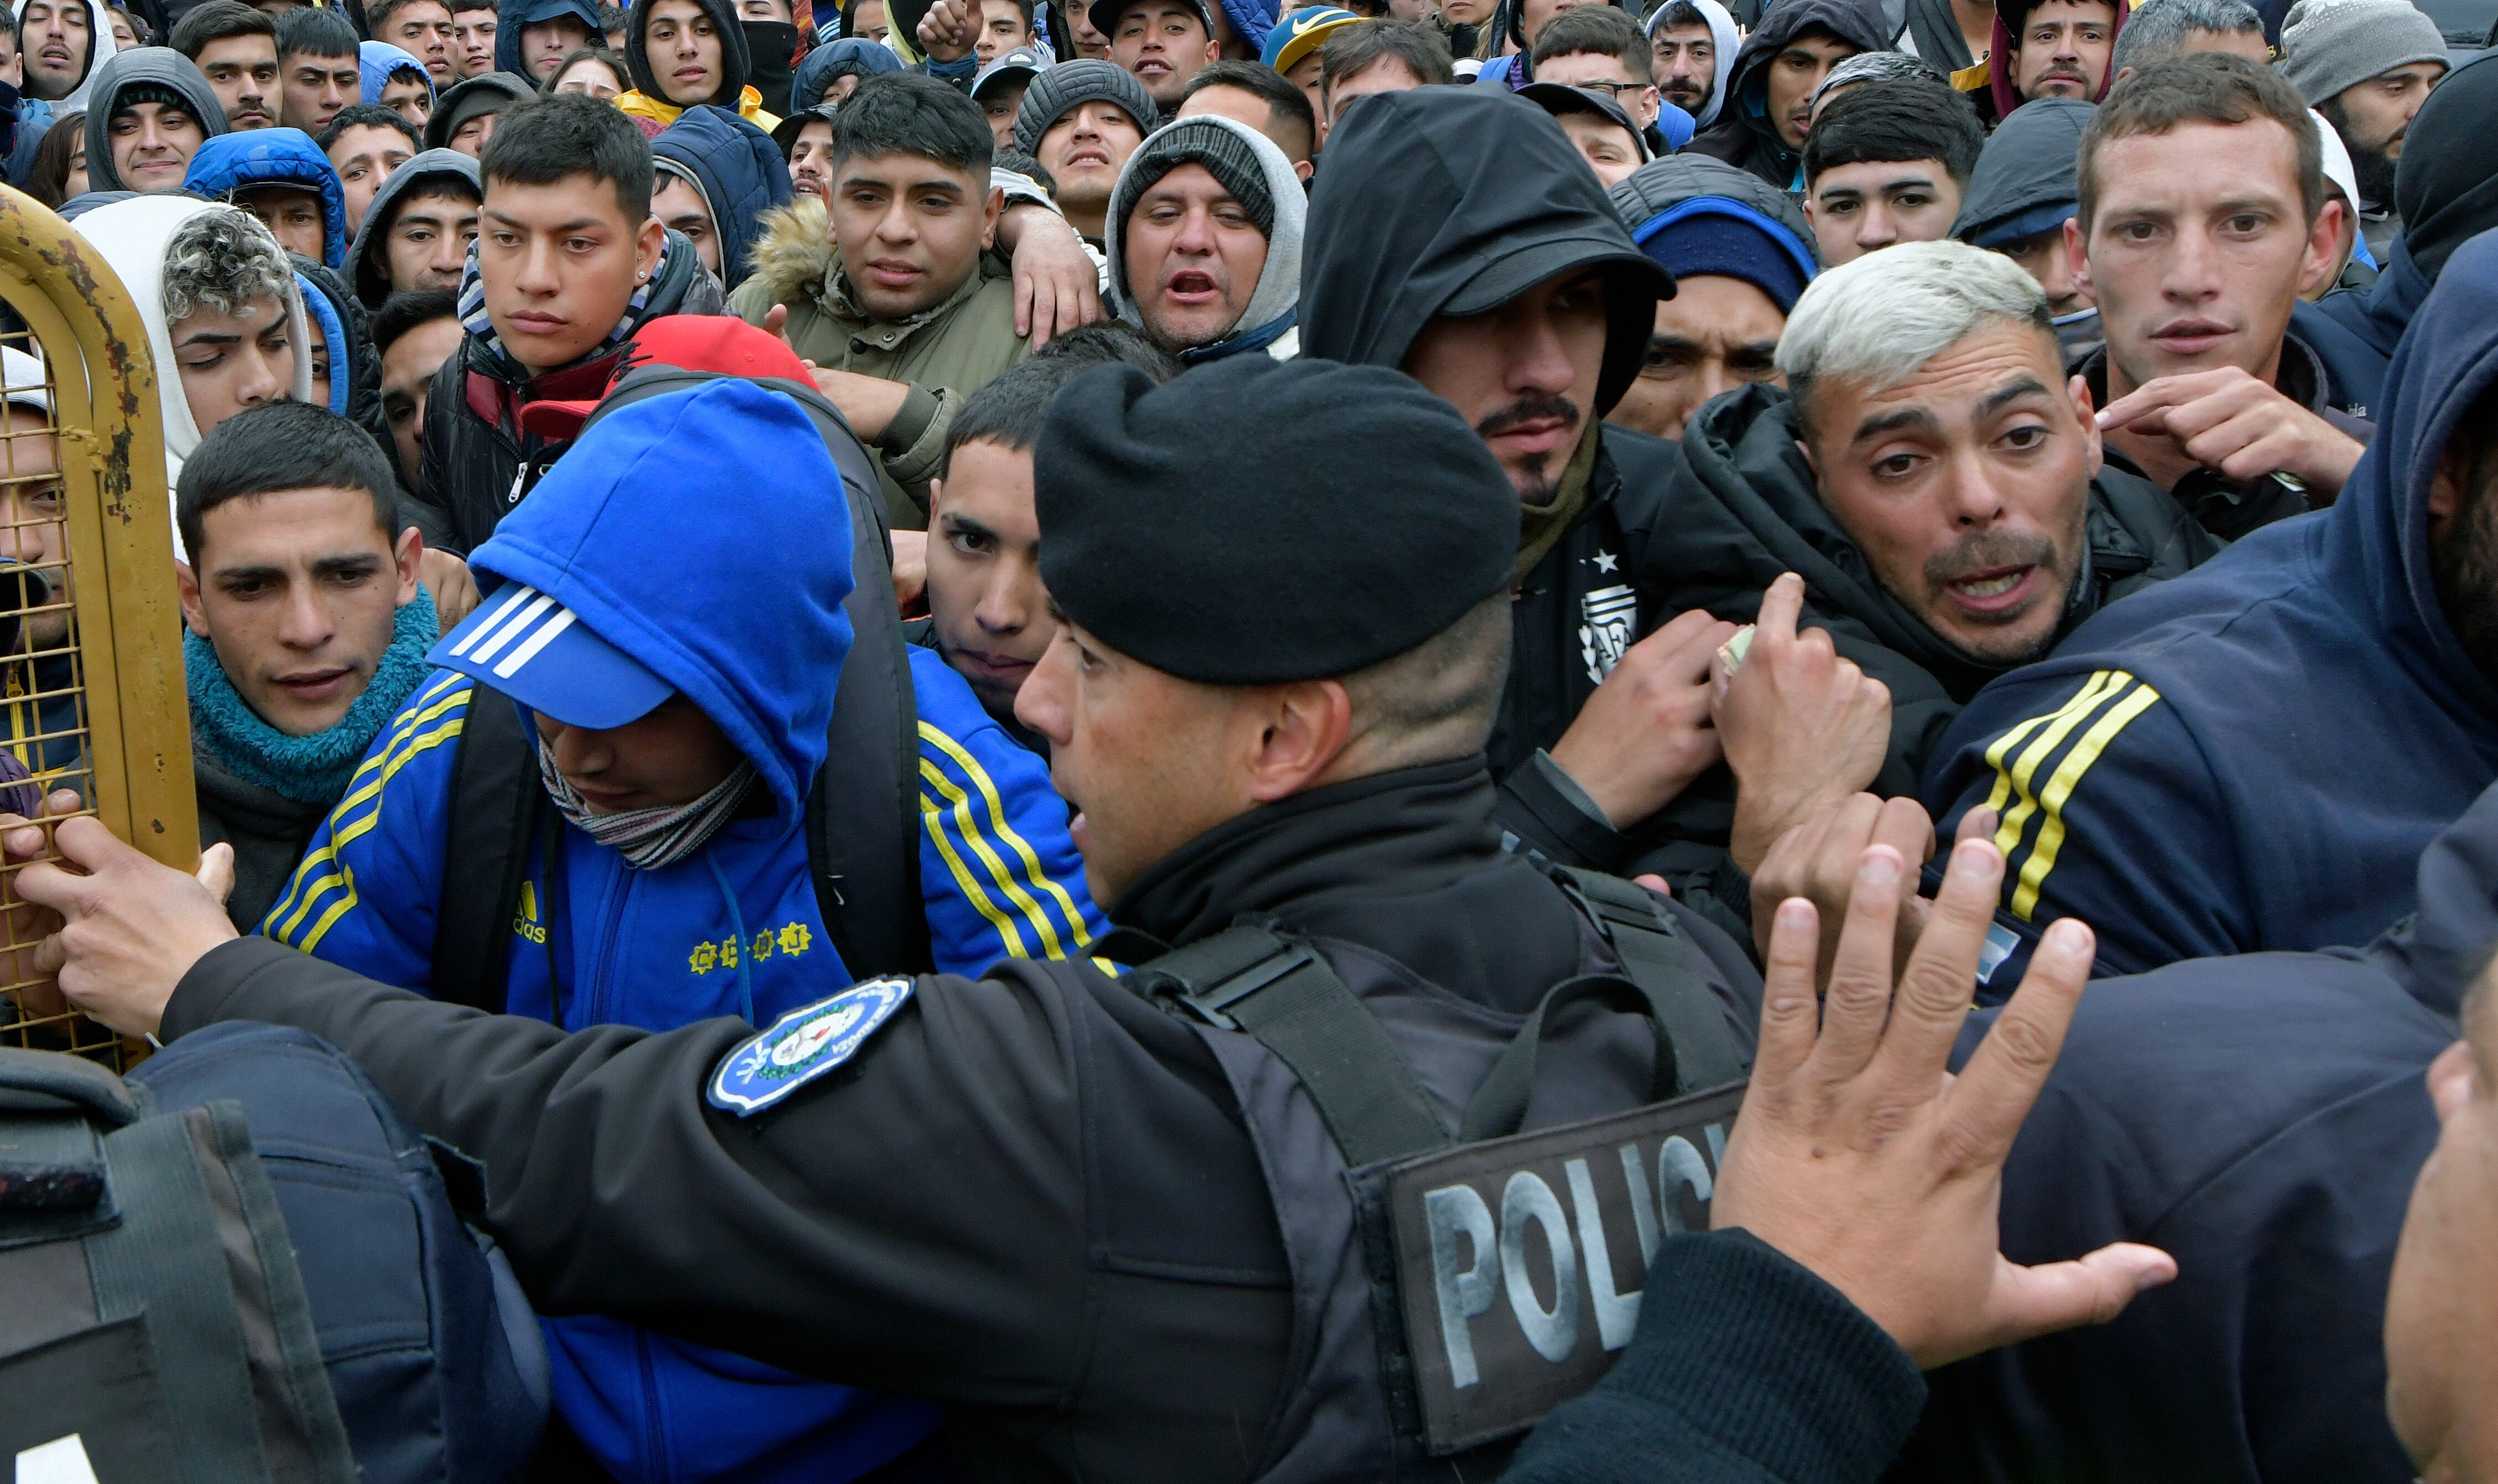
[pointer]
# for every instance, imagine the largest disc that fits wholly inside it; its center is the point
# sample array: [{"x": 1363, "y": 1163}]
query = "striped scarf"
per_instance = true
[
  {"x": 649, "y": 839},
  {"x": 474, "y": 319}
]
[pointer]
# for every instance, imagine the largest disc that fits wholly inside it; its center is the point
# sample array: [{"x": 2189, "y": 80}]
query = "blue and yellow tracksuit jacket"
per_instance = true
[
  {"x": 2252, "y": 757},
  {"x": 741, "y": 613}
]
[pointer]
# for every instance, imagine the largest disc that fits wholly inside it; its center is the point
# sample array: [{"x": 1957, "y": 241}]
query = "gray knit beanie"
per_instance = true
[
  {"x": 2327, "y": 45},
  {"x": 1071, "y": 84},
  {"x": 1226, "y": 156}
]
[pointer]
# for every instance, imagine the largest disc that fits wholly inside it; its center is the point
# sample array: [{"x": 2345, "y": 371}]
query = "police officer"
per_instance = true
[{"x": 1113, "y": 1223}]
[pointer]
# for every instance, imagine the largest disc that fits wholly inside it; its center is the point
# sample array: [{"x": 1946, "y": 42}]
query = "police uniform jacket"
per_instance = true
[{"x": 1032, "y": 1196}]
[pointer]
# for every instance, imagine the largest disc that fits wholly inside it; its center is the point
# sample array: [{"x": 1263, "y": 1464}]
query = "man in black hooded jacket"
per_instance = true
[
  {"x": 1769, "y": 95},
  {"x": 1605, "y": 749},
  {"x": 1456, "y": 234}
]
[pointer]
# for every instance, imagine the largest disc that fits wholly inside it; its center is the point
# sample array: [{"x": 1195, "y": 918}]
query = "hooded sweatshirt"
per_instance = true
[
  {"x": 231, "y": 162},
  {"x": 488, "y": 92},
  {"x": 1426, "y": 188},
  {"x": 2263, "y": 1120},
  {"x": 131, "y": 235},
  {"x": 1726, "y": 41},
  {"x": 2445, "y": 191},
  {"x": 2000, "y": 89},
  {"x": 157, "y": 66},
  {"x": 367, "y": 268},
  {"x": 648, "y": 102},
  {"x": 2024, "y": 185},
  {"x": 380, "y": 62},
  {"x": 743, "y": 616},
  {"x": 99, "y": 32},
  {"x": 851, "y": 57},
  {"x": 739, "y": 172},
  {"x": 1266, "y": 321},
  {"x": 1744, "y": 133},
  {"x": 2249, "y": 758},
  {"x": 516, "y": 13},
  {"x": 355, "y": 367}
]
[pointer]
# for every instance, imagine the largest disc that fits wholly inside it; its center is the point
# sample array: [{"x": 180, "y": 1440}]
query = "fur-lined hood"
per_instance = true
[{"x": 793, "y": 254}]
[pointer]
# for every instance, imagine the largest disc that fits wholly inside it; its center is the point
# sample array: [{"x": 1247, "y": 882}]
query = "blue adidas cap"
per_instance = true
[{"x": 525, "y": 643}]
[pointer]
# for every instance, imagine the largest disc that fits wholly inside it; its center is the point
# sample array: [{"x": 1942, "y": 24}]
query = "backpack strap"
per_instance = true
[
  {"x": 1499, "y": 1108},
  {"x": 496, "y": 798},
  {"x": 1281, "y": 992},
  {"x": 1656, "y": 959}
]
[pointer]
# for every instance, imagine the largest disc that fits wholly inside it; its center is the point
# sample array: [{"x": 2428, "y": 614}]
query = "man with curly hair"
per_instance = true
[{"x": 222, "y": 307}]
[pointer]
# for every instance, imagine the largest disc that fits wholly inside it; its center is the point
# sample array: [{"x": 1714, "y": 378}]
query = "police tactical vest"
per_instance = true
[{"x": 1454, "y": 1278}]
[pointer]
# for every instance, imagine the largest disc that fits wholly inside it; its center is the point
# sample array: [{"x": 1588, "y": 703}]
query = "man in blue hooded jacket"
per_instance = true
[
  {"x": 719, "y": 174},
  {"x": 679, "y": 694},
  {"x": 282, "y": 177},
  {"x": 2252, "y": 756}
]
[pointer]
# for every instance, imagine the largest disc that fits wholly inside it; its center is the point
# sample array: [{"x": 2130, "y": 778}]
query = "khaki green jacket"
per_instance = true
[{"x": 944, "y": 354}]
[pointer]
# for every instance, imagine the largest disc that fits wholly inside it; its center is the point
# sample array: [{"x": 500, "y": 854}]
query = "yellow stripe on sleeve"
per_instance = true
[
  {"x": 2060, "y": 787},
  {"x": 998, "y": 826},
  {"x": 424, "y": 708},
  {"x": 2043, "y": 735},
  {"x": 961, "y": 807}
]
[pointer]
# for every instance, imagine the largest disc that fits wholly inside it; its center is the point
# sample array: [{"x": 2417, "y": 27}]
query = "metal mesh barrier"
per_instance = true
[{"x": 92, "y": 702}]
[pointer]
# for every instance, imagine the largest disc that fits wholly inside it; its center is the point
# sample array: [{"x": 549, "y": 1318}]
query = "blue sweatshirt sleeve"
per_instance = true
[
  {"x": 998, "y": 868},
  {"x": 366, "y": 896},
  {"x": 2109, "y": 812}
]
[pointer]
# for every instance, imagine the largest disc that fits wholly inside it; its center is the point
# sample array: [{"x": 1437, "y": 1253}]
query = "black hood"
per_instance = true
[
  {"x": 1441, "y": 196},
  {"x": 735, "y": 68},
  {"x": 1744, "y": 133},
  {"x": 2447, "y": 185},
  {"x": 2027, "y": 169},
  {"x": 1769, "y": 519}
]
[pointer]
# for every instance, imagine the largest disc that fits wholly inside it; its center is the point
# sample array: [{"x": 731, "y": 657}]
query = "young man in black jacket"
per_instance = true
[{"x": 568, "y": 264}]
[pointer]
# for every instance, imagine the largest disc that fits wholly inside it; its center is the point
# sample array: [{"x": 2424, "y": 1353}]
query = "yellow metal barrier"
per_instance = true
[{"x": 91, "y": 689}]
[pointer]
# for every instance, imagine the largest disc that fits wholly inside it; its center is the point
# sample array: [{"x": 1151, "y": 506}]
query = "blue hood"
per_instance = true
[
  {"x": 378, "y": 60},
  {"x": 850, "y": 55},
  {"x": 516, "y": 13},
  {"x": 230, "y": 161},
  {"x": 741, "y": 172},
  {"x": 654, "y": 530}
]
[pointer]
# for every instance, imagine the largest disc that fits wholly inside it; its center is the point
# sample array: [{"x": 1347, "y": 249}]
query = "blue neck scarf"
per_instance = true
[{"x": 314, "y": 769}]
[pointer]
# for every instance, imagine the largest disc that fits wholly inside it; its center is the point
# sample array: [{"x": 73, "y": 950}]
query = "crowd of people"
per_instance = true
[{"x": 1095, "y": 693}]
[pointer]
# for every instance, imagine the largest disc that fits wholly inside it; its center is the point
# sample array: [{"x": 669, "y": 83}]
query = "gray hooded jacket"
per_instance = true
[
  {"x": 1268, "y": 322},
  {"x": 161, "y": 66},
  {"x": 366, "y": 271}
]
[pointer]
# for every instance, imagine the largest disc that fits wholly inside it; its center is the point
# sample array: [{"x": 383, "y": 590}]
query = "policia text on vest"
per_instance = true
[{"x": 1511, "y": 1256}]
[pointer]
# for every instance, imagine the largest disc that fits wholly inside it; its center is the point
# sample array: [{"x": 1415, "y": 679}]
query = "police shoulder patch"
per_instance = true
[{"x": 803, "y": 1045}]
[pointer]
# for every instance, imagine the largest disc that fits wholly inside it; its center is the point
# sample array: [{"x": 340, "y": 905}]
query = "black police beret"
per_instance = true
[{"x": 1257, "y": 521}]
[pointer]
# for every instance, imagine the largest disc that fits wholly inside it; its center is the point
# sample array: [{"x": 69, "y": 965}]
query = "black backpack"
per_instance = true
[
  {"x": 862, "y": 809},
  {"x": 241, "y": 1264}
]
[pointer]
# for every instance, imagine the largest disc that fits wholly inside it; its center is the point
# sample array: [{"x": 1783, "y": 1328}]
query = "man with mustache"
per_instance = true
[
  {"x": 2367, "y": 66},
  {"x": 2054, "y": 49},
  {"x": 2203, "y": 217},
  {"x": 1444, "y": 239}
]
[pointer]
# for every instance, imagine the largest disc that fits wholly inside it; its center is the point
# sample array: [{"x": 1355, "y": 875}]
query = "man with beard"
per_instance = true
[
  {"x": 2367, "y": 66},
  {"x": 2249, "y": 758},
  {"x": 1691, "y": 52},
  {"x": 2446, "y": 193},
  {"x": 2052, "y": 49}
]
